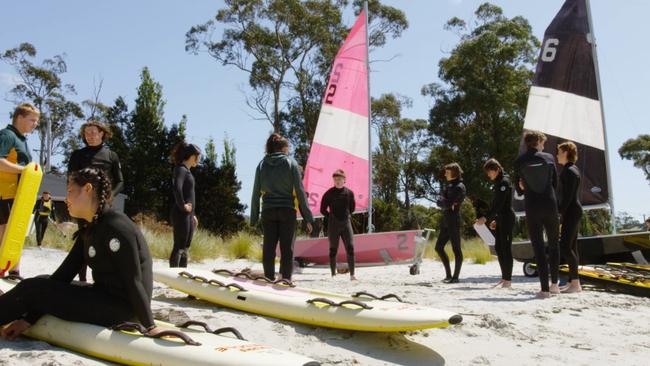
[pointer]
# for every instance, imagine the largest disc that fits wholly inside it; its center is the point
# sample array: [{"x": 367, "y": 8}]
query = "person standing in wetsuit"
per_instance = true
[
  {"x": 14, "y": 155},
  {"x": 570, "y": 211},
  {"x": 536, "y": 178},
  {"x": 450, "y": 200},
  {"x": 43, "y": 210},
  {"x": 96, "y": 154},
  {"x": 277, "y": 181},
  {"x": 116, "y": 251},
  {"x": 337, "y": 205},
  {"x": 502, "y": 218},
  {"x": 185, "y": 156}
]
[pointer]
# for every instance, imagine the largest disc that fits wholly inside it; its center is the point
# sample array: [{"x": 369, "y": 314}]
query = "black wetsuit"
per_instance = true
[
  {"x": 450, "y": 201},
  {"x": 42, "y": 213},
  {"x": 118, "y": 255},
  {"x": 337, "y": 205},
  {"x": 570, "y": 216},
  {"x": 99, "y": 157},
  {"x": 501, "y": 212},
  {"x": 103, "y": 158},
  {"x": 182, "y": 221},
  {"x": 537, "y": 170}
]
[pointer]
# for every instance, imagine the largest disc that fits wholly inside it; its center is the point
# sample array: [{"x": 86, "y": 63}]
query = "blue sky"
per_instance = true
[{"x": 114, "y": 40}]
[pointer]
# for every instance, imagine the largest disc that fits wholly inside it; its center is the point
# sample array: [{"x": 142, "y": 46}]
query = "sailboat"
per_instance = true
[
  {"x": 565, "y": 103},
  {"x": 342, "y": 141}
]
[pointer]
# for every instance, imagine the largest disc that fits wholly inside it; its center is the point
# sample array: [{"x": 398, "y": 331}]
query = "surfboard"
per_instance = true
[
  {"x": 19, "y": 218},
  {"x": 614, "y": 278},
  {"x": 132, "y": 348},
  {"x": 361, "y": 311}
]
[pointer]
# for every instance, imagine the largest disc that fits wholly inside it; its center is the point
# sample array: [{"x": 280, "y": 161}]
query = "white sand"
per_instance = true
[{"x": 500, "y": 327}]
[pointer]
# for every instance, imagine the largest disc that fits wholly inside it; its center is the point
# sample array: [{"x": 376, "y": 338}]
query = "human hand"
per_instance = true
[
  {"x": 195, "y": 222},
  {"x": 493, "y": 225},
  {"x": 309, "y": 228},
  {"x": 15, "y": 329},
  {"x": 521, "y": 185},
  {"x": 481, "y": 220},
  {"x": 187, "y": 207}
]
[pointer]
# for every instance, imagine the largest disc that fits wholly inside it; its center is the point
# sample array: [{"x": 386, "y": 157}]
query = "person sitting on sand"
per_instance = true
[{"x": 116, "y": 251}]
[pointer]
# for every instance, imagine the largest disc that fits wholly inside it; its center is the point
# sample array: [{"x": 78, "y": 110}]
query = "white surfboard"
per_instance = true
[
  {"x": 131, "y": 348},
  {"x": 304, "y": 305}
]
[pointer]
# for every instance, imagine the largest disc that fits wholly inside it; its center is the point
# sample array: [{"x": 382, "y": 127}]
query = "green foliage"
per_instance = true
[
  {"x": 638, "y": 150},
  {"x": 479, "y": 108},
  {"x": 473, "y": 249},
  {"x": 626, "y": 221},
  {"x": 218, "y": 208},
  {"x": 42, "y": 86},
  {"x": 386, "y": 215}
]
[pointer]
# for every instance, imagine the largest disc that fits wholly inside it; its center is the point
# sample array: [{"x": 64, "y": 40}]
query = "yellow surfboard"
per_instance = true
[{"x": 14, "y": 236}]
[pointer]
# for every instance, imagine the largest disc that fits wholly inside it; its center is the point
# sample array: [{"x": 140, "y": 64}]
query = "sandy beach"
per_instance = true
[{"x": 500, "y": 326}]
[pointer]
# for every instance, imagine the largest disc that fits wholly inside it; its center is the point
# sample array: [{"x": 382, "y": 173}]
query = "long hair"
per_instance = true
[{"x": 182, "y": 151}]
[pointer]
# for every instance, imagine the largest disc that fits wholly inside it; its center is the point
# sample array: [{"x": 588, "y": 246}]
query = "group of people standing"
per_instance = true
[{"x": 537, "y": 181}]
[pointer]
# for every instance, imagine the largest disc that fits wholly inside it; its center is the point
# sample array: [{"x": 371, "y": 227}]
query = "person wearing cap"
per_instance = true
[
  {"x": 184, "y": 156},
  {"x": 96, "y": 155},
  {"x": 337, "y": 207},
  {"x": 43, "y": 210},
  {"x": 14, "y": 155}
]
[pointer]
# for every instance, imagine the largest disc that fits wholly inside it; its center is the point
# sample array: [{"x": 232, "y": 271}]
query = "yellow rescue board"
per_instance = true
[{"x": 14, "y": 236}]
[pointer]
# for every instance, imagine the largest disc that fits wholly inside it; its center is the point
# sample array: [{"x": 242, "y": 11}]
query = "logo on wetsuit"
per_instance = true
[
  {"x": 114, "y": 244},
  {"x": 91, "y": 252}
]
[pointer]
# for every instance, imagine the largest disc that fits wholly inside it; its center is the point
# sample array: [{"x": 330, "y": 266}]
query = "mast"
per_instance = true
[
  {"x": 602, "y": 112},
  {"x": 370, "y": 227}
]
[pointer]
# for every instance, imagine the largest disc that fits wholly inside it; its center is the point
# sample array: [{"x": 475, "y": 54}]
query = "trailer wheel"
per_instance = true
[
  {"x": 529, "y": 270},
  {"x": 414, "y": 270}
]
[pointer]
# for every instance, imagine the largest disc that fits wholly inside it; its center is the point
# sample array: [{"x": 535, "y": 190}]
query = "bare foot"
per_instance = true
[
  {"x": 506, "y": 284},
  {"x": 555, "y": 289},
  {"x": 542, "y": 295},
  {"x": 572, "y": 289},
  {"x": 352, "y": 278},
  {"x": 497, "y": 284}
]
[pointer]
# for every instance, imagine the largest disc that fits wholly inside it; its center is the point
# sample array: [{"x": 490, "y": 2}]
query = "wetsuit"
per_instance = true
[
  {"x": 118, "y": 255},
  {"x": 182, "y": 221},
  {"x": 13, "y": 147},
  {"x": 537, "y": 170},
  {"x": 42, "y": 212},
  {"x": 501, "y": 212},
  {"x": 570, "y": 215},
  {"x": 337, "y": 205},
  {"x": 450, "y": 201},
  {"x": 277, "y": 181},
  {"x": 98, "y": 157}
]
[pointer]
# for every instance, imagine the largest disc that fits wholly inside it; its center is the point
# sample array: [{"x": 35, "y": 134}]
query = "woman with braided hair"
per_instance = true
[{"x": 112, "y": 246}]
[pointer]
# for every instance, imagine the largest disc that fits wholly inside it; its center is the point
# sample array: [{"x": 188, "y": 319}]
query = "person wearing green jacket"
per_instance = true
[{"x": 277, "y": 182}]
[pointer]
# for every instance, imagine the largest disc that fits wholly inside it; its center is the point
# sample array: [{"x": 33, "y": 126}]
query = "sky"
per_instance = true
[{"x": 113, "y": 40}]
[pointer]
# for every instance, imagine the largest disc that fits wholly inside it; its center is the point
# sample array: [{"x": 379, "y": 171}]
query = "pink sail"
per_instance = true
[{"x": 341, "y": 137}]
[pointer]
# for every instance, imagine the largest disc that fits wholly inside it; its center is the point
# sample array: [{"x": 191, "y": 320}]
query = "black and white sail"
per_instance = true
[{"x": 564, "y": 100}]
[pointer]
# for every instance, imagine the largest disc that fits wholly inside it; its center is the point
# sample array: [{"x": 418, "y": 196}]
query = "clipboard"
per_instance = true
[{"x": 485, "y": 234}]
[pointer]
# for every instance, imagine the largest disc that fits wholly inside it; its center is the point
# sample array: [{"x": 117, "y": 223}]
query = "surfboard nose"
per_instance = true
[{"x": 456, "y": 319}]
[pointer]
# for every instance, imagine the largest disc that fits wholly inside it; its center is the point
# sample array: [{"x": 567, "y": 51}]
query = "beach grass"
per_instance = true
[{"x": 473, "y": 249}]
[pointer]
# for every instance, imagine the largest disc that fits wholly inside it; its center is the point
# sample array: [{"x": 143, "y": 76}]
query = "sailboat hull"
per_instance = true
[
  {"x": 595, "y": 249},
  {"x": 369, "y": 249}
]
